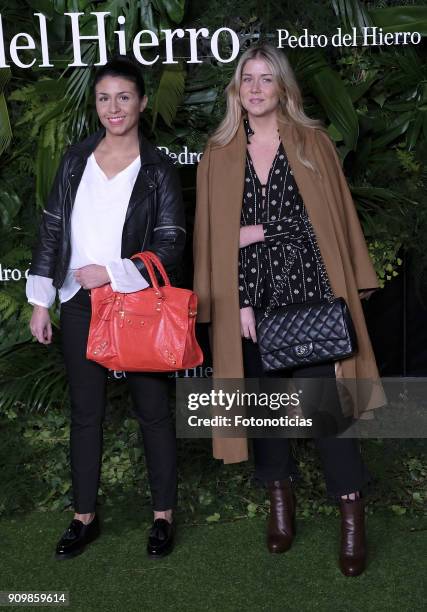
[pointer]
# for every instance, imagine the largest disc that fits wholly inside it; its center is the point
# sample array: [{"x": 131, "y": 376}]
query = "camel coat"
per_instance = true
[{"x": 220, "y": 182}]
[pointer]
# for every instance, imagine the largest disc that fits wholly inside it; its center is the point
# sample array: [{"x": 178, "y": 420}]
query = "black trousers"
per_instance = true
[
  {"x": 87, "y": 384},
  {"x": 342, "y": 463}
]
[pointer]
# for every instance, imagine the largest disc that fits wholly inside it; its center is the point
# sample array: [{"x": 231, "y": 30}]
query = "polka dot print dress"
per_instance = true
[{"x": 281, "y": 211}]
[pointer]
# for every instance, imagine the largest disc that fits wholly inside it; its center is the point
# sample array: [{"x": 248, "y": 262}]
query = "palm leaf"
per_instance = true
[
  {"x": 51, "y": 144},
  {"x": 380, "y": 197},
  {"x": 307, "y": 62},
  {"x": 169, "y": 94},
  {"x": 382, "y": 212},
  {"x": 78, "y": 84},
  {"x": 43, "y": 6},
  {"x": 174, "y": 9},
  {"x": 401, "y": 18},
  {"x": 358, "y": 90},
  {"x": 147, "y": 15},
  {"x": 397, "y": 128},
  {"x": 30, "y": 378},
  {"x": 404, "y": 70},
  {"x": 5, "y": 128},
  {"x": 414, "y": 130},
  {"x": 329, "y": 89},
  {"x": 315, "y": 74},
  {"x": 352, "y": 13},
  {"x": 10, "y": 206}
]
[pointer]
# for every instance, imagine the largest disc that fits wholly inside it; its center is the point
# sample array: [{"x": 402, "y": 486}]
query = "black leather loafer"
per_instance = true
[
  {"x": 160, "y": 539},
  {"x": 76, "y": 537}
]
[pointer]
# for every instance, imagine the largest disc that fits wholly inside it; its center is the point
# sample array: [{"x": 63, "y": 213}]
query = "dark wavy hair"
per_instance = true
[{"x": 124, "y": 67}]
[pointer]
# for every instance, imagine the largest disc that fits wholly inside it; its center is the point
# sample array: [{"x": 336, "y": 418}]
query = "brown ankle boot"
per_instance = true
[
  {"x": 281, "y": 522},
  {"x": 353, "y": 539}
]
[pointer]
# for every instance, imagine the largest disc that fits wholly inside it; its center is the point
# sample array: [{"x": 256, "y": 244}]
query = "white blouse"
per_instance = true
[{"x": 96, "y": 235}]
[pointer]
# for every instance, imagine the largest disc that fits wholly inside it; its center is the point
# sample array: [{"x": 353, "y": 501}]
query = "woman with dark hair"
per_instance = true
[
  {"x": 276, "y": 227},
  {"x": 114, "y": 195}
]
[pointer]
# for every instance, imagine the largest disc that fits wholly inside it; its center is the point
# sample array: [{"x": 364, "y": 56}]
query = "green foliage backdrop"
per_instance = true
[{"x": 374, "y": 104}]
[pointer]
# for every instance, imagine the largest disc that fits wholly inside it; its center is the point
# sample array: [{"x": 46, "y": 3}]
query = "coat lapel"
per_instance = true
[
  {"x": 227, "y": 194},
  {"x": 304, "y": 178},
  {"x": 311, "y": 188}
]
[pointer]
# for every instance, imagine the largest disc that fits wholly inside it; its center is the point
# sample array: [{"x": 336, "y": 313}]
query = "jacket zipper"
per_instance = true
[
  {"x": 162, "y": 227},
  {"x": 46, "y": 212}
]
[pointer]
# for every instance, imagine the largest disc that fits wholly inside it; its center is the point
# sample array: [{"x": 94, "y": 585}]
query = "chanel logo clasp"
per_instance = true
[{"x": 302, "y": 350}]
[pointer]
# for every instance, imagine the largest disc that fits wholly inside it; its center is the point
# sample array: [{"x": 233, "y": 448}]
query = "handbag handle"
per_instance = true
[
  {"x": 158, "y": 265},
  {"x": 151, "y": 261}
]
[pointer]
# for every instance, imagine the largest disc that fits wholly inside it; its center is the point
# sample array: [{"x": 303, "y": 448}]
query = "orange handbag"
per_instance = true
[{"x": 152, "y": 330}]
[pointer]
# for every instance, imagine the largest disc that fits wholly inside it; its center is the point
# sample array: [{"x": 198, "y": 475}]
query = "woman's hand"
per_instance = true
[
  {"x": 250, "y": 234},
  {"x": 40, "y": 325},
  {"x": 247, "y": 323},
  {"x": 92, "y": 276}
]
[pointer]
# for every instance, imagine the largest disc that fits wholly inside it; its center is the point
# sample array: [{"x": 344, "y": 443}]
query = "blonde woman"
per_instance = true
[{"x": 270, "y": 183}]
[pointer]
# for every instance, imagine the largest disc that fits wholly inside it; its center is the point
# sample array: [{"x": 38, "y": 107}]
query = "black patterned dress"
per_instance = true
[{"x": 282, "y": 269}]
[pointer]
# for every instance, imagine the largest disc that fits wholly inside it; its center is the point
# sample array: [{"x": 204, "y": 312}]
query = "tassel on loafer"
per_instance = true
[
  {"x": 76, "y": 537},
  {"x": 160, "y": 539}
]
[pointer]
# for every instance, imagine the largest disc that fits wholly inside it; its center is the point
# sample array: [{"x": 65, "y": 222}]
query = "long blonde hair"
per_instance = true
[{"x": 290, "y": 100}]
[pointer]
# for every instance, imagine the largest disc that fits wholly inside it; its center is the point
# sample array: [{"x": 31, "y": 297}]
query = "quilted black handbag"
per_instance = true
[{"x": 308, "y": 333}]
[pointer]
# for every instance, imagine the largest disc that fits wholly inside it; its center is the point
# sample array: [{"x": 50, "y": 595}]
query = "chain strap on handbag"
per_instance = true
[
  {"x": 152, "y": 330},
  {"x": 306, "y": 333}
]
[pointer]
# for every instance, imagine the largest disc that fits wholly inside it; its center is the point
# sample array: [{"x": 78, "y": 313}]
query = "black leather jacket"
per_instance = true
[{"x": 155, "y": 219}]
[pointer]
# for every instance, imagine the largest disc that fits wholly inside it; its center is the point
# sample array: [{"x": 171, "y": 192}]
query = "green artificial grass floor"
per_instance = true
[{"x": 220, "y": 568}]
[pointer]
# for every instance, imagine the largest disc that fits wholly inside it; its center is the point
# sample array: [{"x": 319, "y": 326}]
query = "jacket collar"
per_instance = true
[
  {"x": 148, "y": 152},
  {"x": 144, "y": 184}
]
